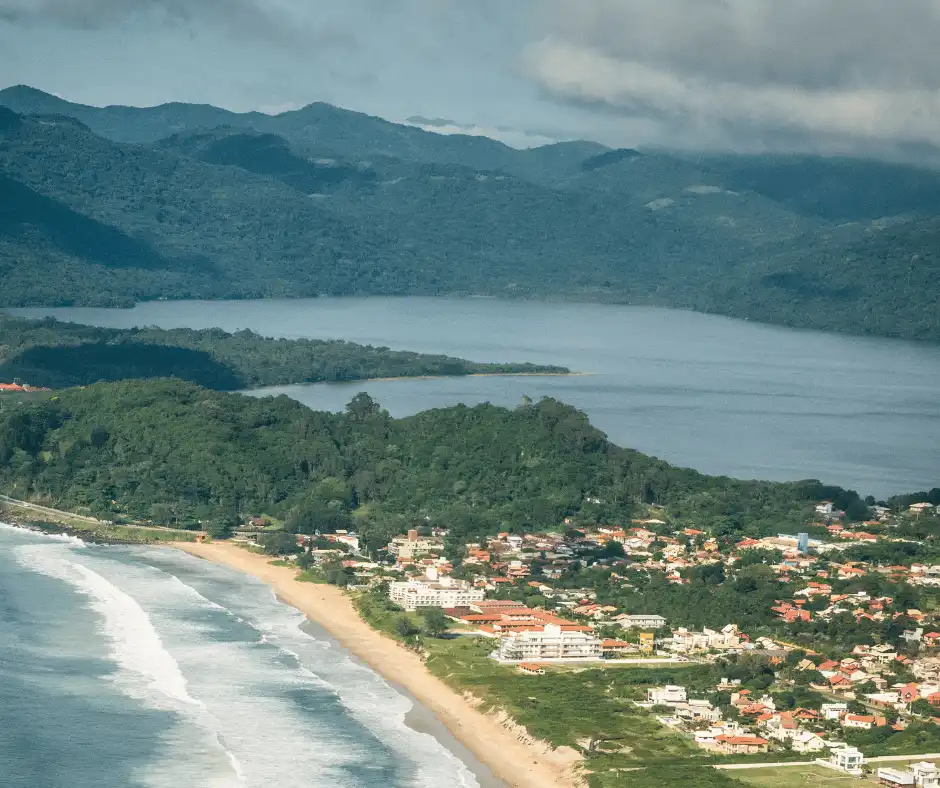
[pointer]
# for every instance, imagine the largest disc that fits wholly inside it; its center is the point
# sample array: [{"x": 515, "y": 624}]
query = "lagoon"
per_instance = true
[{"x": 720, "y": 395}]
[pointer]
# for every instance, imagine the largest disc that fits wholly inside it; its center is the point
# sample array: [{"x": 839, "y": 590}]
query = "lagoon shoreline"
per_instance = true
[{"x": 517, "y": 763}]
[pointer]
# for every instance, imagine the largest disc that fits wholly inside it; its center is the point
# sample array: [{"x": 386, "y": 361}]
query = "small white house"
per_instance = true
[
  {"x": 848, "y": 760},
  {"x": 833, "y": 711},
  {"x": 925, "y": 774},
  {"x": 807, "y": 741}
]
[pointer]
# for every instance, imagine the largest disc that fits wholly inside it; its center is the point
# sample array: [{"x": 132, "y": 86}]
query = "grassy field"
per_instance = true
[{"x": 800, "y": 777}]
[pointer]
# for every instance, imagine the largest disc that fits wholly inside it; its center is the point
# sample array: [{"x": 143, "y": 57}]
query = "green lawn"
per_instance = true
[{"x": 798, "y": 777}]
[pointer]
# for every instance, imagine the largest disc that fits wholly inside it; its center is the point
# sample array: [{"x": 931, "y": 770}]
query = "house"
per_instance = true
[
  {"x": 925, "y": 774},
  {"x": 740, "y": 745},
  {"x": 670, "y": 695},
  {"x": 697, "y": 710},
  {"x": 833, "y": 711},
  {"x": 896, "y": 778},
  {"x": 616, "y": 647},
  {"x": 640, "y": 621},
  {"x": 807, "y": 741},
  {"x": 846, "y": 759},
  {"x": 863, "y": 722},
  {"x": 909, "y": 693},
  {"x": 531, "y": 669}
]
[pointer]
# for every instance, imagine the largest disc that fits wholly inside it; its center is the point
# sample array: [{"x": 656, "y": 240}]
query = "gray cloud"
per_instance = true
[
  {"x": 281, "y": 20},
  {"x": 710, "y": 69}
]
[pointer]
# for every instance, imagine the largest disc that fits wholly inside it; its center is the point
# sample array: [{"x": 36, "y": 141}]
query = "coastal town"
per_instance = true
[{"x": 839, "y": 670}]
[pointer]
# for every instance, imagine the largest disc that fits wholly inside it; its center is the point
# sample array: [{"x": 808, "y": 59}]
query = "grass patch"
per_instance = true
[{"x": 798, "y": 777}]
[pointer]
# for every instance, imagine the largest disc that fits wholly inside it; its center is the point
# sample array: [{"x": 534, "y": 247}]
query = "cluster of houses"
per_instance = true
[{"x": 759, "y": 726}]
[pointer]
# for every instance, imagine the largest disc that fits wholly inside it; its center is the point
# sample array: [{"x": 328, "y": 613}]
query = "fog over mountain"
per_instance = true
[{"x": 848, "y": 76}]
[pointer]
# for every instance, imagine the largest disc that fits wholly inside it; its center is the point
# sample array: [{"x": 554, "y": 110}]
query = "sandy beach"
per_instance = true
[
  {"x": 470, "y": 375},
  {"x": 518, "y": 763}
]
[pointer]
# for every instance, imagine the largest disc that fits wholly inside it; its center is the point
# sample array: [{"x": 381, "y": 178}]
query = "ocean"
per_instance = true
[{"x": 138, "y": 667}]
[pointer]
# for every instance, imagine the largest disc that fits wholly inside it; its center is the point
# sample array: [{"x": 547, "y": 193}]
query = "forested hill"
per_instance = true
[
  {"x": 172, "y": 452},
  {"x": 58, "y": 355},
  {"x": 105, "y": 206}
]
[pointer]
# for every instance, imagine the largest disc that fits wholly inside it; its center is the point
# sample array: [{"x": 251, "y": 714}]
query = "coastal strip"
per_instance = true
[{"x": 516, "y": 762}]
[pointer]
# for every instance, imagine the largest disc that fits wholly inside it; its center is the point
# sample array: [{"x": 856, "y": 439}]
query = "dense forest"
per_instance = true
[
  {"x": 58, "y": 355},
  {"x": 105, "y": 206},
  {"x": 174, "y": 453}
]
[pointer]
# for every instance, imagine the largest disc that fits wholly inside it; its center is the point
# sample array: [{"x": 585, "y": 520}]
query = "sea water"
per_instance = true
[{"x": 147, "y": 668}]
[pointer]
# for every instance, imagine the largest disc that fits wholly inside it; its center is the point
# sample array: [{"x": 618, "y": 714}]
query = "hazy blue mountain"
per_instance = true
[
  {"x": 836, "y": 188},
  {"x": 323, "y": 200}
]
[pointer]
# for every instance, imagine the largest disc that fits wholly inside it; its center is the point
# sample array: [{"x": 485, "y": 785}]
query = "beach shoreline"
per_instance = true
[
  {"x": 361, "y": 381},
  {"x": 517, "y": 763}
]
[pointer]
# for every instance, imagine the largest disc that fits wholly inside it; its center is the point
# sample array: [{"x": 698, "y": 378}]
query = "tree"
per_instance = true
[
  {"x": 435, "y": 622},
  {"x": 222, "y": 525},
  {"x": 405, "y": 627},
  {"x": 279, "y": 543},
  {"x": 362, "y": 407}
]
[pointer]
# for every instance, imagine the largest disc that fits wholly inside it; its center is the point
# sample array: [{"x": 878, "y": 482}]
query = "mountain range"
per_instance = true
[{"x": 105, "y": 206}]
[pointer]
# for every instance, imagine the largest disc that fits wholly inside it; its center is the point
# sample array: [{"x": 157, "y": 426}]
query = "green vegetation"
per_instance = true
[
  {"x": 796, "y": 777},
  {"x": 58, "y": 355},
  {"x": 211, "y": 204},
  {"x": 174, "y": 453}
]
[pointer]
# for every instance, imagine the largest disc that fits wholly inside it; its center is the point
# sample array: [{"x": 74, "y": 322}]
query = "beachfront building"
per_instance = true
[
  {"x": 434, "y": 591},
  {"x": 406, "y": 548},
  {"x": 548, "y": 642}
]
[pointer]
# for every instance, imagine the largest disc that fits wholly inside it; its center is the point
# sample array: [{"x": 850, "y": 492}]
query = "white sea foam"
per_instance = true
[
  {"x": 295, "y": 710},
  {"x": 72, "y": 540},
  {"x": 365, "y": 694},
  {"x": 135, "y": 645},
  {"x": 146, "y": 669}
]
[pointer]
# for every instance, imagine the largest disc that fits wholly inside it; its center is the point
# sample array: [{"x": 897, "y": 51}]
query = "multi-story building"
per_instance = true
[
  {"x": 408, "y": 547},
  {"x": 433, "y": 592},
  {"x": 641, "y": 621},
  {"x": 549, "y": 642}
]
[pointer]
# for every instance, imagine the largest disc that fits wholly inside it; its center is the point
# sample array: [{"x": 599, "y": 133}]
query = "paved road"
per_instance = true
[{"x": 46, "y": 510}]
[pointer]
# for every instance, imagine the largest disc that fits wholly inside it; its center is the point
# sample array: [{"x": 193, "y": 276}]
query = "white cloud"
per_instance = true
[{"x": 850, "y": 69}]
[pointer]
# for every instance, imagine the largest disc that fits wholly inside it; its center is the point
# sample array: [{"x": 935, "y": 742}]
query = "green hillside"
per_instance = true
[
  {"x": 58, "y": 355},
  {"x": 171, "y": 452},
  {"x": 327, "y": 201}
]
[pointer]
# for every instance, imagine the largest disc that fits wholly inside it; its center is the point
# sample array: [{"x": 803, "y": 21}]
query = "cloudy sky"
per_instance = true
[{"x": 835, "y": 75}]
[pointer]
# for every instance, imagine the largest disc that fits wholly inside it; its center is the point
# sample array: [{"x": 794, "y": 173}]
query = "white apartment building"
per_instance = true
[
  {"x": 641, "y": 621},
  {"x": 434, "y": 592},
  {"x": 550, "y": 642}
]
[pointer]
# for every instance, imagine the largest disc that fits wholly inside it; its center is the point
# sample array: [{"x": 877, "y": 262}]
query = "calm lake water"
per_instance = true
[{"x": 720, "y": 395}]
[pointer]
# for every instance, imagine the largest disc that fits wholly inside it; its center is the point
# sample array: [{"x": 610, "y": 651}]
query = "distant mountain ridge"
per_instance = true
[{"x": 186, "y": 201}]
